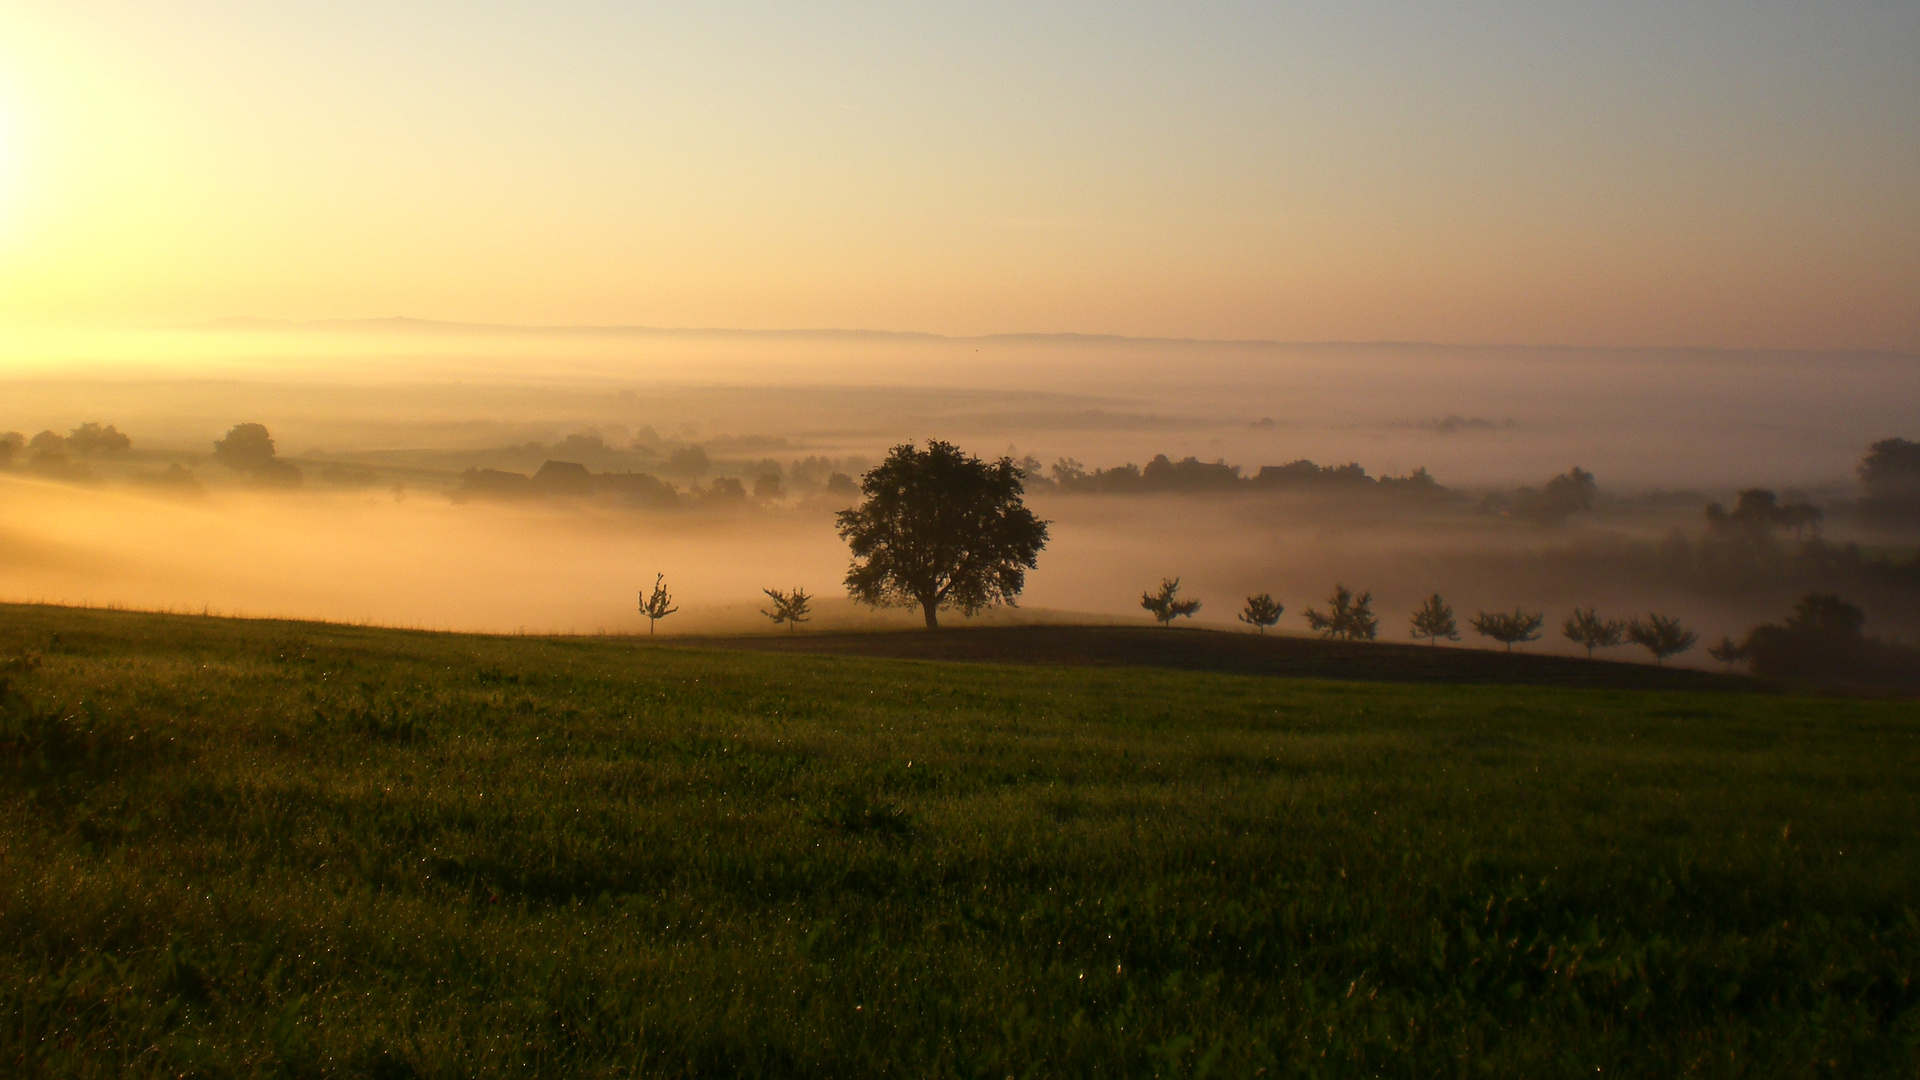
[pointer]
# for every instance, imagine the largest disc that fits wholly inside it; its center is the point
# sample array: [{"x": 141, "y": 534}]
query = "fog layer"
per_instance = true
[{"x": 386, "y": 424}]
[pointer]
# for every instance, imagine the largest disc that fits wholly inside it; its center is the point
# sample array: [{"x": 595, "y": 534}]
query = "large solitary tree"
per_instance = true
[{"x": 940, "y": 528}]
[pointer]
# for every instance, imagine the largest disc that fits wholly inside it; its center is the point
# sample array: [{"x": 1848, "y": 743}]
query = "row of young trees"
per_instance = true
[
  {"x": 789, "y": 608},
  {"x": 940, "y": 528},
  {"x": 1351, "y": 618}
]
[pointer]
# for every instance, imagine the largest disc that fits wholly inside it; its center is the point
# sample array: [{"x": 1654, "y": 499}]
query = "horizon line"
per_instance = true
[{"x": 415, "y": 324}]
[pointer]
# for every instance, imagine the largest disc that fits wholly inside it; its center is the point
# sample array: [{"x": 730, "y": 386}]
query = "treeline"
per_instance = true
[
  {"x": 1822, "y": 639},
  {"x": 1190, "y": 474},
  {"x": 771, "y": 483},
  {"x": 52, "y": 455},
  {"x": 246, "y": 450},
  {"x": 1763, "y": 545}
]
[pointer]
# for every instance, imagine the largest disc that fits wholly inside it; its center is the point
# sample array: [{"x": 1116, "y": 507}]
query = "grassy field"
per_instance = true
[{"x": 281, "y": 849}]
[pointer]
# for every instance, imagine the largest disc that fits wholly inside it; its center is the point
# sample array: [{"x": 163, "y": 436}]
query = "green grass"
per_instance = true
[{"x": 255, "y": 848}]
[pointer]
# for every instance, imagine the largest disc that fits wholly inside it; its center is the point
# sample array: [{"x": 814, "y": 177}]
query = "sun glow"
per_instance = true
[{"x": 9, "y": 163}]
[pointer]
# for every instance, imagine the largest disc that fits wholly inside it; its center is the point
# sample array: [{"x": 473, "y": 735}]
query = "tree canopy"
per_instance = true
[
  {"x": 657, "y": 604},
  {"x": 1662, "y": 636},
  {"x": 248, "y": 450},
  {"x": 91, "y": 438},
  {"x": 940, "y": 528},
  {"x": 1890, "y": 473},
  {"x": 1509, "y": 628},
  {"x": 1434, "y": 620},
  {"x": 1262, "y": 611},
  {"x": 1346, "y": 616},
  {"x": 1586, "y": 627},
  {"x": 1164, "y": 606},
  {"x": 791, "y": 608}
]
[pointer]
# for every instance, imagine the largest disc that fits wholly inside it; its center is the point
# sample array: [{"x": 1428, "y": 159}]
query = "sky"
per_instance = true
[{"x": 1735, "y": 175}]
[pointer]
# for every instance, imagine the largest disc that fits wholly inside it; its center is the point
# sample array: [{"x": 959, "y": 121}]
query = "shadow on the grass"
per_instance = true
[{"x": 1238, "y": 654}]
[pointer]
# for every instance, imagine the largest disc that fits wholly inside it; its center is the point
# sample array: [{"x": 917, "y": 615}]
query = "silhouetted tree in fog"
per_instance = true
[
  {"x": 1661, "y": 636},
  {"x": 248, "y": 450},
  {"x": 940, "y": 528},
  {"x": 1570, "y": 493},
  {"x": 1261, "y": 611},
  {"x": 790, "y": 608},
  {"x": 726, "y": 490},
  {"x": 1586, "y": 627},
  {"x": 658, "y": 604},
  {"x": 1757, "y": 514},
  {"x": 1729, "y": 652},
  {"x": 91, "y": 438},
  {"x": 1509, "y": 628},
  {"x": 688, "y": 461},
  {"x": 1890, "y": 474},
  {"x": 1822, "y": 638},
  {"x": 1164, "y": 606},
  {"x": 1346, "y": 617},
  {"x": 1433, "y": 620}
]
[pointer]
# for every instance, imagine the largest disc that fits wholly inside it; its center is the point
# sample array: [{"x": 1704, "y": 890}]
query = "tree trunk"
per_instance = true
[{"x": 933, "y": 614}]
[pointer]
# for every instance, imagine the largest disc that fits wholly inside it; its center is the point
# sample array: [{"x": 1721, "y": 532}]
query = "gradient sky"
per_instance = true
[{"x": 1623, "y": 173}]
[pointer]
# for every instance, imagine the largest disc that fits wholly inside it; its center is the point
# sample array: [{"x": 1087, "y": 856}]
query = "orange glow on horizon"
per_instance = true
[{"x": 1269, "y": 176}]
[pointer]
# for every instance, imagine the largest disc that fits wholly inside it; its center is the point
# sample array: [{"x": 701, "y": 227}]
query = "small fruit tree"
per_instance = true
[
  {"x": 1586, "y": 627},
  {"x": 1509, "y": 628},
  {"x": 1262, "y": 611},
  {"x": 658, "y": 604},
  {"x": 1433, "y": 620},
  {"x": 1163, "y": 604},
  {"x": 1347, "y": 616},
  {"x": 790, "y": 608},
  {"x": 1661, "y": 636}
]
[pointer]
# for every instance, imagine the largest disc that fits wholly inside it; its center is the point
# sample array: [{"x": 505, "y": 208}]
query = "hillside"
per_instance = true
[
  {"x": 1276, "y": 655},
  {"x": 275, "y": 848}
]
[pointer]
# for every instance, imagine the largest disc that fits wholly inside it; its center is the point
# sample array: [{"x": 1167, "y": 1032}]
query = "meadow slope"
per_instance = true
[{"x": 233, "y": 848}]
